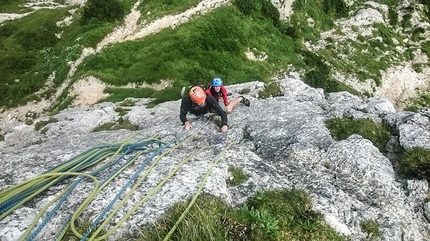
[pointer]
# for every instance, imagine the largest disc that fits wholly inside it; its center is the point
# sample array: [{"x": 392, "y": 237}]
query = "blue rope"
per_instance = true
[
  {"x": 16, "y": 199},
  {"x": 119, "y": 194},
  {"x": 129, "y": 149}
]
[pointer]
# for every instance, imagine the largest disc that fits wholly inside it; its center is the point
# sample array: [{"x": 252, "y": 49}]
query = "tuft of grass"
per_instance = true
[
  {"x": 419, "y": 102},
  {"x": 342, "y": 128},
  {"x": 238, "y": 176},
  {"x": 268, "y": 215},
  {"x": 244, "y": 91},
  {"x": 271, "y": 90},
  {"x": 371, "y": 228},
  {"x": 121, "y": 111},
  {"x": 293, "y": 209},
  {"x": 120, "y": 124},
  {"x": 415, "y": 162},
  {"x": 247, "y": 133},
  {"x": 40, "y": 124}
]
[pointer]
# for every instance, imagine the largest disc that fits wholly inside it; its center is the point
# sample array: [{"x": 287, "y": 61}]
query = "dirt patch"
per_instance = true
[{"x": 88, "y": 91}]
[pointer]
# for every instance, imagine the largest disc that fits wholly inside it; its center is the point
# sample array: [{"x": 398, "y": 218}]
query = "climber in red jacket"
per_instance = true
[{"x": 218, "y": 91}]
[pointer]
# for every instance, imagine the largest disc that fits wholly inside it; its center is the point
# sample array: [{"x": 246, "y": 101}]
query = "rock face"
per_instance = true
[{"x": 281, "y": 143}]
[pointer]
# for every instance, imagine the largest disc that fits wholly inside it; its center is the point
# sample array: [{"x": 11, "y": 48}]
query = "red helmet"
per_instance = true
[{"x": 197, "y": 95}]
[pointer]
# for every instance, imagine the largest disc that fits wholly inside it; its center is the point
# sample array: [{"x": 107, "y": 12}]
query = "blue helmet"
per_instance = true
[{"x": 216, "y": 82}]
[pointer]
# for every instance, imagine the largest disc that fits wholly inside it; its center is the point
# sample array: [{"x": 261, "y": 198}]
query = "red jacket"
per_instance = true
[{"x": 217, "y": 95}]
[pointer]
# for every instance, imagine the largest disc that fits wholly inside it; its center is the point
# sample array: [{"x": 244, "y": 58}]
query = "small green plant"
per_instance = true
[
  {"x": 271, "y": 90},
  {"x": 44, "y": 130},
  {"x": 1, "y": 137},
  {"x": 263, "y": 220},
  {"x": 40, "y": 124},
  {"x": 415, "y": 162},
  {"x": 29, "y": 122},
  {"x": 120, "y": 124},
  {"x": 247, "y": 133},
  {"x": 244, "y": 91},
  {"x": 121, "y": 111},
  {"x": 371, "y": 228},
  {"x": 342, "y": 128},
  {"x": 217, "y": 121},
  {"x": 238, "y": 176}
]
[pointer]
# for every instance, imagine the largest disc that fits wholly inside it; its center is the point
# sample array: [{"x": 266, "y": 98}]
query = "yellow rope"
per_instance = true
[{"x": 197, "y": 193}]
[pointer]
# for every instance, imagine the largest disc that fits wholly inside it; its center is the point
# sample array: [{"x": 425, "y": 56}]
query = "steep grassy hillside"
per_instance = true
[{"x": 318, "y": 41}]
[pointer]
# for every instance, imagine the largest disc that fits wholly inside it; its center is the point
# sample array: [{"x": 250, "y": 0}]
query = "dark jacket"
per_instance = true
[{"x": 211, "y": 104}]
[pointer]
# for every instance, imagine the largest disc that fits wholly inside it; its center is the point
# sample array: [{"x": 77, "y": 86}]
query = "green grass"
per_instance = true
[
  {"x": 39, "y": 125},
  {"x": 268, "y": 215},
  {"x": 415, "y": 162},
  {"x": 13, "y": 6},
  {"x": 270, "y": 90},
  {"x": 204, "y": 47},
  {"x": 23, "y": 65},
  {"x": 30, "y": 51},
  {"x": 342, "y": 128},
  {"x": 153, "y": 9},
  {"x": 371, "y": 229},
  {"x": 238, "y": 176},
  {"x": 209, "y": 45},
  {"x": 113, "y": 126},
  {"x": 419, "y": 102}
]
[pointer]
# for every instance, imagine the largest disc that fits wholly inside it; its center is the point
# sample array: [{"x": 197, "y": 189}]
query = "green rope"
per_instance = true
[
  {"x": 197, "y": 193},
  {"x": 40, "y": 213},
  {"x": 111, "y": 230}
]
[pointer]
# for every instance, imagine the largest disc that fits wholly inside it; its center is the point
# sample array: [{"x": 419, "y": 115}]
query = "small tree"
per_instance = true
[{"x": 102, "y": 10}]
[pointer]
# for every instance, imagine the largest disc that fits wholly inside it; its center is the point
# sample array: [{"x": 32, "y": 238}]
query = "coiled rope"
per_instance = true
[
  {"x": 13, "y": 197},
  {"x": 129, "y": 148}
]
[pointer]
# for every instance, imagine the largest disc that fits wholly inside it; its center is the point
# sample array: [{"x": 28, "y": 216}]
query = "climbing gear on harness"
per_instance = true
[
  {"x": 197, "y": 95},
  {"x": 216, "y": 82}
]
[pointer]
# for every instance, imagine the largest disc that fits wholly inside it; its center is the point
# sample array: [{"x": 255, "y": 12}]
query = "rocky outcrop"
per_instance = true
[{"x": 281, "y": 143}]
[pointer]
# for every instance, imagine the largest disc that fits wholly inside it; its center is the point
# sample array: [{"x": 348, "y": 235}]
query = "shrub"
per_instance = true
[
  {"x": 419, "y": 102},
  {"x": 270, "y": 90},
  {"x": 39, "y": 38},
  {"x": 342, "y": 128},
  {"x": 393, "y": 15},
  {"x": 39, "y": 125},
  {"x": 335, "y": 7},
  {"x": 415, "y": 162},
  {"x": 102, "y": 10}
]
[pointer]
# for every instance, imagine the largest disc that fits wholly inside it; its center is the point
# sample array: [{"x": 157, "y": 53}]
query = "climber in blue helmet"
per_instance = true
[{"x": 218, "y": 91}]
